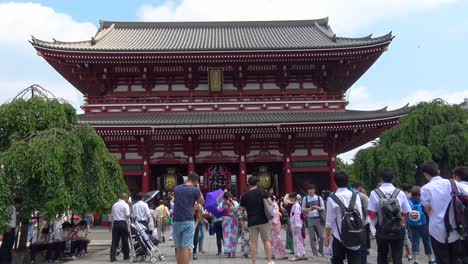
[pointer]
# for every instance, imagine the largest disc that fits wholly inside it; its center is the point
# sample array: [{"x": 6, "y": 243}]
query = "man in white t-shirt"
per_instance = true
[
  {"x": 333, "y": 222},
  {"x": 436, "y": 197},
  {"x": 396, "y": 243},
  {"x": 120, "y": 216},
  {"x": 6, "y": 248}
]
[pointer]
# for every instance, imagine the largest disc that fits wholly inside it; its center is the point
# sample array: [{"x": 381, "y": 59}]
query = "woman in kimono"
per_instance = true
[
  {"x": 287, "y": 204},
  {"x": 277, "y": 248},
  {"x": 244, "y": 233},
  {"x": 230, "y": 224},
  {"x": 296, "y": 228}
]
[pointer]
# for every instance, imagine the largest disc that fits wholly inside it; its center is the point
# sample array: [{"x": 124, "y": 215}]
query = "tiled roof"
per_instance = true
[
  {"x": 237, "y": 118},
  {"x": 214, "y": 36}
]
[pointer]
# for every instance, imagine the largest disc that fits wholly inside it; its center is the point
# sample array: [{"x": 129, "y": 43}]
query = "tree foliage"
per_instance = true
[
  {"x": 434, "y": 130},
  {"x": 52, "y": 162}
]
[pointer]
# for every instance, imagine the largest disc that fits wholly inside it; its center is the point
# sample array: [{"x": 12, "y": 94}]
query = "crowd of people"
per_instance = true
[
  {"x": 339, "y": 225},
  {"x": 62, "y": 238}
]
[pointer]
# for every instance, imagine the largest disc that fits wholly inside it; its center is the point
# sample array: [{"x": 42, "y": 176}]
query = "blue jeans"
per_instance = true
[
  {"x": 417, "y": 233},
  {"x": 201, "y": 237}
]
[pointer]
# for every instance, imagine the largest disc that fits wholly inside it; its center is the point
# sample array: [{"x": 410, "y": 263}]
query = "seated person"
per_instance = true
[
  {"x": 56, "y": 241},
  {"x": 81, "y": 239},
  {"x": 40, "y": 243}
]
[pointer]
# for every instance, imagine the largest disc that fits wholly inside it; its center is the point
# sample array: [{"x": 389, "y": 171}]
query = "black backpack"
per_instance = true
[
  {"x": 389, "y": 216},
  {"x": 351, "y": 231}
]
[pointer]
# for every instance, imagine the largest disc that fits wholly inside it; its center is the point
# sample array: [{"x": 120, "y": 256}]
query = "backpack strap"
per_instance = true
[
  {"x": 380, "y": 193},
  {"x": 338, "y": 202},
  {"x": 352, "y": 203},
  {"x": 395, "y": 193},
  {"x": 448, "y": 227}
]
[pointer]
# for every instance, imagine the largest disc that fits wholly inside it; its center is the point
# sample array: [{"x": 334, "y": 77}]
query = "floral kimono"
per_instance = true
[
  {"x": 277, "y": 248},
  {"x": 230, "y": 227},
  {"x": 296, "y": 228},
  {"x": 244, "y": 233}
]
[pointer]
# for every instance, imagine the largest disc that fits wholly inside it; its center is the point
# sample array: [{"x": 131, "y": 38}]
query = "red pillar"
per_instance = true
[
  {"x": 332, "y": 171},
  {"x": 145, "y": 179},
  {"x": 288, "y": 178},
  {"x": 242, "y": 183}
]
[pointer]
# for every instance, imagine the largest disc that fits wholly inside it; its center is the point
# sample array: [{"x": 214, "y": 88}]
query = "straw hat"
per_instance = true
[{"x": 287, "y": 200}]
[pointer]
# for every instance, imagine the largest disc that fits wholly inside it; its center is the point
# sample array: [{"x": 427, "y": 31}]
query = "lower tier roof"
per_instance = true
[{"x": 215, "y": 119}]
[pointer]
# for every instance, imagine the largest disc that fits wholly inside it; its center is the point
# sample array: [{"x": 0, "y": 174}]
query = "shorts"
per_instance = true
[
  {"x": 263, "y": 229},
  {"x": 183, "y": 233}
]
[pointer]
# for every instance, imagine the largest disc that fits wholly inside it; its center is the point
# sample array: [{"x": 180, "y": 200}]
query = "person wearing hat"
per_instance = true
[
  {"x": 9, "y": 233},
  {"x": 297, "y": 223}
]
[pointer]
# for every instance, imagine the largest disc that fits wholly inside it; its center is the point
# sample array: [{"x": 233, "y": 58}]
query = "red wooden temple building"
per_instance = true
[{"x": 224, "y": 99}]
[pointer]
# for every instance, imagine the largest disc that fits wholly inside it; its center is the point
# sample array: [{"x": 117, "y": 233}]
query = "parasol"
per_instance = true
[
  {"x": 211, "y": 205},
  {"x": 150, "y": 195}
]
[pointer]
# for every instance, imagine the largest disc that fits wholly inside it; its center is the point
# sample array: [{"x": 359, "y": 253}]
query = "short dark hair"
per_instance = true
[
  {"x": 341, "y": 179},
  {"x": 18, "y": 200},
  {"x": 253, "y": 180},
  {"x": 193, "y": 177},
  {"x": 357, "y": 184},
  {"x": 293, "y": 195},
  {"x": 139, "y": 196},
  {"x": 462, "y": 172},
  {"x": 386, "y": 174},
  {"x": 405, "y": 187},
  {"x": 310, "y": 186},
  {"x": 430, "y": 167},
  {"x": 82, "y": 223}
]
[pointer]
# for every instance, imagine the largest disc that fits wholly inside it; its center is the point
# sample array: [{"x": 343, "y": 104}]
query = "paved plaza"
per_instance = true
[{"x": 99, "y": 252}]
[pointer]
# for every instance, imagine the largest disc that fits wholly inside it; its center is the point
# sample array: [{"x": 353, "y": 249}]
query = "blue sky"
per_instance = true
[{"x": 426, "y": 60}]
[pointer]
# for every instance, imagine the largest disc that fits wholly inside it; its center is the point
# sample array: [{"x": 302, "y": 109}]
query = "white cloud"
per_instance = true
[
  {"x": 18, "y": 21},
  {"x": 346, "y": 16},
  {"x": 20, "y": 65}
]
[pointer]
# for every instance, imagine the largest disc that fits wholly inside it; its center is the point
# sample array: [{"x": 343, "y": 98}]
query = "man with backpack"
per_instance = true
[
  {"x": 438, "y": 197},
  {"x": 344, "y": 222},
  {"x": 391, "y": 206},
  {"x": 365, "y": 246},
  {"x": 461, "y": 175}
]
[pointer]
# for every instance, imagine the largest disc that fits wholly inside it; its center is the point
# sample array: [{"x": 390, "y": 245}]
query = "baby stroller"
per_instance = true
[{"x": 143, "y": 245}]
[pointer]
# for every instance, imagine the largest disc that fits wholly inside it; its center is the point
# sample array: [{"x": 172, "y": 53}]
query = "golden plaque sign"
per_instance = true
[{"x": 215, "y": 79}]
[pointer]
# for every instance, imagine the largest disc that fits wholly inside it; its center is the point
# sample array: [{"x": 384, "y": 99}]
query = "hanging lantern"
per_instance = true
[
  {"x": 265, "y": 178},
  {"x": 170, "y": 180}
]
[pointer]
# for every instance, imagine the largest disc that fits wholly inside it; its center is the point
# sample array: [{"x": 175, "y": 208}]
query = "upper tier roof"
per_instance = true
[{"x": 213, "y": 36}]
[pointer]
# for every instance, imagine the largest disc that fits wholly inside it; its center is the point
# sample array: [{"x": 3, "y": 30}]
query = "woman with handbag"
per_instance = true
[{"x": 163, "y": 220}]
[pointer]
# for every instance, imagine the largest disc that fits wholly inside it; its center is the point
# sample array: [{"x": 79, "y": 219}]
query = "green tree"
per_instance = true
[
  {"x": 346, "y": 167},
  {"x": 52, "y": 162},
  {"x": 434, "y": 130}
]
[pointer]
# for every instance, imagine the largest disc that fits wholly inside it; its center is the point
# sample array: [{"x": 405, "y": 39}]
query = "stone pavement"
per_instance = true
[{"x": 99, "y": 252}]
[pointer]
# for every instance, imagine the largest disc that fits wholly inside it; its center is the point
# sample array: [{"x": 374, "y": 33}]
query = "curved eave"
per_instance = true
[
  {"x": 46, "y": 46},
  {"x": 380, "y": 117}
]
